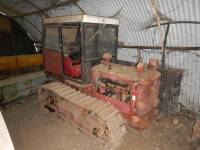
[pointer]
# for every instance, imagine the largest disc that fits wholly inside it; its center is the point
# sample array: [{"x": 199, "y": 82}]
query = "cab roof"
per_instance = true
[{"x": 81, "y": 18}]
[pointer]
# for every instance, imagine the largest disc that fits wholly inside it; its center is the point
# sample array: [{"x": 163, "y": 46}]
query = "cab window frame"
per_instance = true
[
  {"x": 58, "y": 46},
  {"x": 68, "y": 26}
]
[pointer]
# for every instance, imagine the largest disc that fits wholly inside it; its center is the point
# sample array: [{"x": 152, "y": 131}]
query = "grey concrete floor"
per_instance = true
[{"x": 32, "y": 129}]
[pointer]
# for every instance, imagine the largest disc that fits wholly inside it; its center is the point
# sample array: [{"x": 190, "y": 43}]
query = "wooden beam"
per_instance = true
[
  {"x": 47, "y": 9},
  {"x": 175, "y": 22},
  {"x": 155, "y": 11}
]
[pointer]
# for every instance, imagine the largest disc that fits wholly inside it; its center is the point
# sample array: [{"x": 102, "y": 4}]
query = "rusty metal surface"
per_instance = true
[
  {"x": 127, "y": 72},
  {"x": 91, "y": 115},
  {"x": 134, "y": 94}
]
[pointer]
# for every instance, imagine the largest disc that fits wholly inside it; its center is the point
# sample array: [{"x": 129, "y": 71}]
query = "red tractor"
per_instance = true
[{"x": 94, "y": 91}]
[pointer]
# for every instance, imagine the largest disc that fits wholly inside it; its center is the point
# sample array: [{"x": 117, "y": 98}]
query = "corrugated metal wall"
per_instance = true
[
  {"x": 188, "y": 61},
  {"x": 134, "y": 16}
]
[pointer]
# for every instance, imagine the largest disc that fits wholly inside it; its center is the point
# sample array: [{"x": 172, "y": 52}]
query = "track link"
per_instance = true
[{"x": 92, "y": 116}]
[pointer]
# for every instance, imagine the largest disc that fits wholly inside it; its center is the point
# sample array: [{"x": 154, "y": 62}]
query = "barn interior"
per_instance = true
[{"x": 99, "y": 75}]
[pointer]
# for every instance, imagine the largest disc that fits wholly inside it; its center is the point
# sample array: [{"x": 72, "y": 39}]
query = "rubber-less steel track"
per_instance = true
[{"x": 91, "y": 115}]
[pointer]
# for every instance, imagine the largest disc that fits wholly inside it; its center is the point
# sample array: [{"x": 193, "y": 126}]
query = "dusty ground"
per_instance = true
[{"x": 32, "y": 129}]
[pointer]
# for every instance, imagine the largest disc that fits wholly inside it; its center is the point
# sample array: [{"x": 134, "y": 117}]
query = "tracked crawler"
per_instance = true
[
  {"x": 81, "y": 51},
  {"x": 92, "y": 116}
]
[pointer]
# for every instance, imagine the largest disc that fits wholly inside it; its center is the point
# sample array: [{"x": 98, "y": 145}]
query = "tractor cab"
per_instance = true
[{"x": 73, "y": 44}]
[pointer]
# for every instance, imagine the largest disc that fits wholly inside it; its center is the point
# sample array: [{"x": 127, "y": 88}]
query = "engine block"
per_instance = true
[{"x": 134, "y": 93}]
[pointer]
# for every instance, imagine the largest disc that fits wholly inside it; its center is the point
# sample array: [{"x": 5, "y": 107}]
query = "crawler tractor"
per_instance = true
[{"x": 94, "y": 91}]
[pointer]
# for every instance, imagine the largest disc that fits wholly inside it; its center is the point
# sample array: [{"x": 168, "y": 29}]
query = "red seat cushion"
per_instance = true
[{"x": 73, "y": 71}]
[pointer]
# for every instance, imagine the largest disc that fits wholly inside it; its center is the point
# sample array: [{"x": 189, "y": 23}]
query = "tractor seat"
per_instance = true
[{"x": 70, "y": 69}]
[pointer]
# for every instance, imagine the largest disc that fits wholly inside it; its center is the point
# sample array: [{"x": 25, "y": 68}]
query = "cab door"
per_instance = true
[{"x": 52, "y": 51}]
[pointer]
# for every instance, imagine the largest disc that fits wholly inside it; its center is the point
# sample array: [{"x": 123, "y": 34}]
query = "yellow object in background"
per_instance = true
[
  {"x": 25, "y": 61},
  {"x": 7, "y": 63},
  {"x": 20, "y": 61}
]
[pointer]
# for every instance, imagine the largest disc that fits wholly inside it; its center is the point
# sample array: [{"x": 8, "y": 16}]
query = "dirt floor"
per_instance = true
[{"x": 32, "y": 129}]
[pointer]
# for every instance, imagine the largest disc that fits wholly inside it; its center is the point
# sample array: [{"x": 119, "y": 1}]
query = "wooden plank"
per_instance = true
[
  {"x": 61, "y": 90},
  {"x": 67, "y": 96},
  {"x": 51, "y": 85},
  {"x": 57, "y": 87},
  {"x": 115, "y": 121},
  {"x": 94, "y": 106},
  {"x": 101, "y": 108},
  {"x": 64, "y": 94},
  {"x": 80, "y": 95},
  {"x": 77, "y": 96},
  {"x": 90, "y": 101},
  {"x": 82, "y": 100},
  {"x": 86, "y": 100},
  {"x": 83, "y": 129},
  {"x": 111, "y": 114},
  {"x": 108, "y": 111},
  {"x": 67, "y": 92}
]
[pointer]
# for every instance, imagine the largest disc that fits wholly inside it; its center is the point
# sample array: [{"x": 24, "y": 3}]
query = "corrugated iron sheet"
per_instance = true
[{"x": 135, "y": 16}]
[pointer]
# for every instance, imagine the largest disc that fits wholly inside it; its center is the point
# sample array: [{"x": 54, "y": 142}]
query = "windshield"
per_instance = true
[
  {"x": 71, "y": 39},
  {"x": 51, "y": 38},
  {"x": 99, "y": 39}
]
